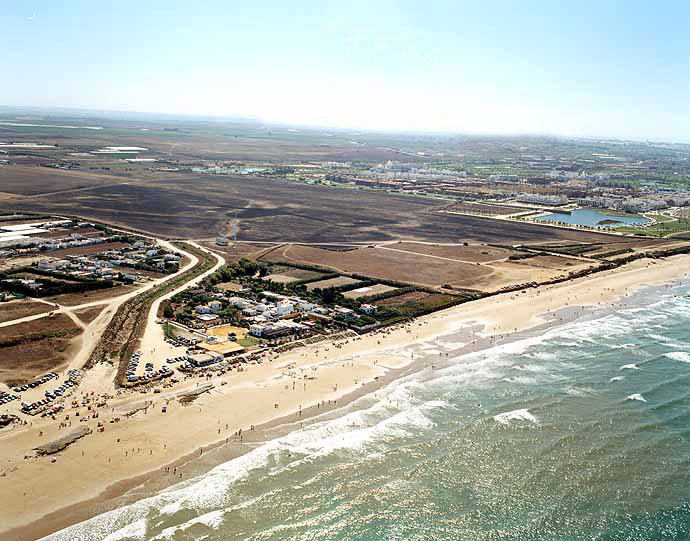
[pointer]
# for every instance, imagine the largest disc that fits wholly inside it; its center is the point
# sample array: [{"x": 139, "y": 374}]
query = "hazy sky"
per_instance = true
[{"x": 562, "y": 67}]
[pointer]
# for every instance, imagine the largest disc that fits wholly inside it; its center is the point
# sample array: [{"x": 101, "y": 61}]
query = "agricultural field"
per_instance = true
[
  {"x": 368, "y": 291},
  {"x": 235, "y": 251},
  {"x": 28, "y": 180},
  {"x": 287, "y": 275},
  {"x": 332, "y": 282},
  {"x": 384, "y": 264},
  {"x": 411, "y": 296},
  {"x": 186, "y": 205},
  {"x": 431, "y": 270},
  {"x": 469, "y": 254},
  {"x": 550, "y": 262}
]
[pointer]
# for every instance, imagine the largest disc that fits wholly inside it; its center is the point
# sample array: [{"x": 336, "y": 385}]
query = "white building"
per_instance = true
[
  {"x": 344, "y": 312},
  {"x": 239, "y": 302},
  {"x": 305, "y": 306},
  {"x": 215, "y": 306},
  {"x": 256, "y": 329},
  {"x": 283, "y": 308},
  {"x": 368, "y": 308}
]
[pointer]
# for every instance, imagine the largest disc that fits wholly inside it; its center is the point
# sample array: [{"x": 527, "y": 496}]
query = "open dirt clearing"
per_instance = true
[
  {"x": 287, "y": 275},
  {"x": 73, "y": 299},
  {"x": 35, "y": 347},
  {"x": 368, "y": 291},
  {"x": 19, "y": 309},
  {"x": 332, "y": 282},
  {"x": 87, "y": 315}
]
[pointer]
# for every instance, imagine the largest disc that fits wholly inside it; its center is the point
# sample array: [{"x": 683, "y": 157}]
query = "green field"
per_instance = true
[
  {"x": 662, "y": 229},
  {"x": 248, "y": 341}
]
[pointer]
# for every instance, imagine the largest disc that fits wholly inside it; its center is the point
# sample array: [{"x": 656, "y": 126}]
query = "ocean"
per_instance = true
[{"x": 578, "y": 431}]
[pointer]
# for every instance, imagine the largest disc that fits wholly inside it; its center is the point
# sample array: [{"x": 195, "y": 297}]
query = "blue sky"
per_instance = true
[{"x": 619, "y": 69}]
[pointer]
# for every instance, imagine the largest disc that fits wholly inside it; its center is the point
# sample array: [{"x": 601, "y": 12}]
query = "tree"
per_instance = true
[{"x": 248, "y": 267}]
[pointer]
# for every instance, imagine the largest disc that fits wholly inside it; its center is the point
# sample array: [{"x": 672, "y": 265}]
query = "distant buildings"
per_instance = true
[{"x": 541, "y": 199}]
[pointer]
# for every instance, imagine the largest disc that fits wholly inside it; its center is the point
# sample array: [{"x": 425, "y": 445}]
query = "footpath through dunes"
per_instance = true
[{"x": 191, "y": 206}]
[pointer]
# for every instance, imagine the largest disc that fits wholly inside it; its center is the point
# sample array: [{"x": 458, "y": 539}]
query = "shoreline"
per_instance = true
[
  {"x": 190, "y": 465},
  {"x": 483, "y": 320}
]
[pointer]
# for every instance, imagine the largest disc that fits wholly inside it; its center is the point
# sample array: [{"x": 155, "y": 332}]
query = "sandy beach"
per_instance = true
[{"x": 40, "y": 494}]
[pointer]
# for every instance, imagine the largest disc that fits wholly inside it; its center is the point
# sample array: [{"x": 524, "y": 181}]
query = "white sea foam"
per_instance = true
[
  {"x": 135, "y": 530},
  {"x": 212, "y": 519},
  {"x": 668, "y": 342},
  {"x": 568, "y": 344},
  {"x": 574, "y": 390},
  {"x": 629, "y": 367},
  {"x": 637, "y": 397},
  {"x": 681, "y": 356},
  {"x": 617, "y": 378},
  {"x": 508, "y": 417},
  {"x": 522, "y": 380},
  {"x": 625, "y": 346},
  {"x": 368, "y": 440},
  {"x": 534, "y": 368}
]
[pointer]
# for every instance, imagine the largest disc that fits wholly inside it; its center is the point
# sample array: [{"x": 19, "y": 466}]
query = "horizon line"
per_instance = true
[{"x": 266, "y": 122}]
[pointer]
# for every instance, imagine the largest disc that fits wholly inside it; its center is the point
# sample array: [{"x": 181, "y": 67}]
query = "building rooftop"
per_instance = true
[{"x": 223, "y": 348}]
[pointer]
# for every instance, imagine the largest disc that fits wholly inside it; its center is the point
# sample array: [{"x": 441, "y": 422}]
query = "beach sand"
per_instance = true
[{"x": 41, "y": 496}]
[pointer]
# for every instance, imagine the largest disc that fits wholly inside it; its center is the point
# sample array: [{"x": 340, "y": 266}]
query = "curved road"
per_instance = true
[
  {"x": 93, "y": 331},
  {"x": 153, "y": 345}
]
